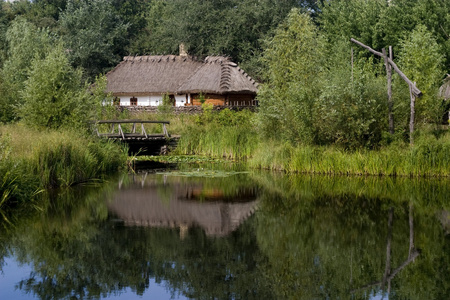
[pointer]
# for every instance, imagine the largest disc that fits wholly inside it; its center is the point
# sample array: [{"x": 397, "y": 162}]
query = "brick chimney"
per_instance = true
[{"x": 182, "y": 50}]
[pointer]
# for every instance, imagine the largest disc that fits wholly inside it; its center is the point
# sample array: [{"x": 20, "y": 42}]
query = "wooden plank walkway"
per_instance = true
[{"x": 134, "y": 134}]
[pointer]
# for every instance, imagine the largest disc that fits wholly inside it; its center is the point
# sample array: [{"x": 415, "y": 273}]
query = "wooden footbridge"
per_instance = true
[{"x": 138, "y": 135}]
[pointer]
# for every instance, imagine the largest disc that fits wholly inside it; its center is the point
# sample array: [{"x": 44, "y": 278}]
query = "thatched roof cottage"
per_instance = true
[{"x": 144, "y": 80}]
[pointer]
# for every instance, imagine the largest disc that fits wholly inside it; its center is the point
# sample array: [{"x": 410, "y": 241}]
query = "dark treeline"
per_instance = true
[{"x": 98, "y": 33}]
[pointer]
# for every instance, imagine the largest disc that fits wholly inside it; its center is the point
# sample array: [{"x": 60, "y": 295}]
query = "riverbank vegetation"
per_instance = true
[
  {"x": 323, "y": 101},
  {"x": 221, "y": 137},
  {"x": 32, "y": 161}
]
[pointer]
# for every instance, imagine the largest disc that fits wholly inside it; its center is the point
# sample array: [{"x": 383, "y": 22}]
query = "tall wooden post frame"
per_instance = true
[{"x": 414, "y": 91}]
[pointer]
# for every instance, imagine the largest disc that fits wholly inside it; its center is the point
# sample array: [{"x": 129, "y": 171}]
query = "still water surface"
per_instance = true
[{"x": 210, "y": 234}]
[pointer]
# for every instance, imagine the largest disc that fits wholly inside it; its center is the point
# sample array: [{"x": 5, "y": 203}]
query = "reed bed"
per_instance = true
[
  {"x": 234, "y": 136},
  {"x": 32, "y": 160},
  {"x": 429, "y": 157},
  {"x": 224, "y": 134},
  {"x": 220, "y": 142}
]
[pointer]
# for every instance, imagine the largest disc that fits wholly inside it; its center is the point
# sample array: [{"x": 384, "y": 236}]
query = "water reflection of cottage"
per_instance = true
[{"x": 184, "y": 206}]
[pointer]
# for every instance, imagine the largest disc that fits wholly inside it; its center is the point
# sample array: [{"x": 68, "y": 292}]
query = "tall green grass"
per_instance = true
[
  {"x": 217, "y": 141},
  {"x": 69, "y": 160},
  {"x": 32, "y": 160},
  {"x": 224, "y": 134},
  {"x": 430, "y": 156},
  {"x": 233, "y": 135}
]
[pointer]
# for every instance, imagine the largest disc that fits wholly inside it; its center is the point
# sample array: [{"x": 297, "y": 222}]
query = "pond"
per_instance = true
[{"x": 217, "y": 232}]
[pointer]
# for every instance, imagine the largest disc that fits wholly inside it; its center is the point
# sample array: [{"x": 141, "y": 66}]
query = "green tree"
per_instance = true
[
  {"x": 351, "y": 107},
  {"x": 133, "y": 13},
  {"x": 54, "y": 95},
  {"x": 340, "y": 19},
  {"x": 421, "y": 60},
  {"x": 232, "y": 28},
  {"x": 381, "y": 23},
  {"x": 25, "y": 43},
  {"x": 3, "y": 28},
  {"x": 94, "y": 35},
  {"x": 294, "y": 58}
]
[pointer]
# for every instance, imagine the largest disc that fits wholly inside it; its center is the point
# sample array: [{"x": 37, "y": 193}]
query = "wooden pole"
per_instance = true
[
  {"x": 413, "y": 112},
  {"x": 391, "y": 103},
  {"x": 352, "y": 65},
  {"x": 415, "y": 90},
  {"x": 389, "y": 88}
]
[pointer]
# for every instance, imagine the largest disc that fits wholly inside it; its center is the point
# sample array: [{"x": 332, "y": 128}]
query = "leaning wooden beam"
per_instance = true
[
  {"x": 415, "y": 253},
  {"x": 415, "y": 90}
]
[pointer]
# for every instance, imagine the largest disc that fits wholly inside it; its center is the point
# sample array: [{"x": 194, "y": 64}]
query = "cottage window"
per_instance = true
[{"x": 133, "y": 101}]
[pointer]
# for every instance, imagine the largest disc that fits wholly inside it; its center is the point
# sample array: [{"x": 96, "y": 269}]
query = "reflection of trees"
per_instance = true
[
  {"x": 327, "y": 238},
  {"x": 116, "y": 257},
  {"x": 413, "y": 253},
  {"x": 312, "y": 238},
  {"x": 76, "y": 251}
]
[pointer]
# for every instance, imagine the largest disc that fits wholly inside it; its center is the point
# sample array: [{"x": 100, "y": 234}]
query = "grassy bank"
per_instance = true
[
  {"x": 32, "y": 160},
  {"x": 224, "y": 134},
  {"x": 235, "y": 136},
  {"x": 429, "y": 156}
]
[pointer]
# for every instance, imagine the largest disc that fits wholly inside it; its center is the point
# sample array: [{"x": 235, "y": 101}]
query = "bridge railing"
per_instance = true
[{"x": 118, "y": 131}]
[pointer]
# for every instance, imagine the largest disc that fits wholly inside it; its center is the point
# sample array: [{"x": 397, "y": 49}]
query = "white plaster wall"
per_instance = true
[
  {"x": 180, "y": 100},
  {"x": 141, "y": 101},
  {"x": 124, "y": 101},
  {"x": 155, "y": 100}
]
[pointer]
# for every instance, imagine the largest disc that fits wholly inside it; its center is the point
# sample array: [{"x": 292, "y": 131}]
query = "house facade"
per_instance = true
[{"x": 185, "y": 80}]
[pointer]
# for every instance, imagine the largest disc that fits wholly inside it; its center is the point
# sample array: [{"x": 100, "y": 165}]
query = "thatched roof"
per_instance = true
[
  {"x": 444, "y": 90},
  {"x": 178, "y": 75}
]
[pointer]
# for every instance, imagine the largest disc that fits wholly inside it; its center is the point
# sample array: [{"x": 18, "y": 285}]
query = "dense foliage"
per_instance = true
[
  {"x": 321, "y": 89},
  {"x": 313, "y": 92},
  {"x": 317, "y": 88}
]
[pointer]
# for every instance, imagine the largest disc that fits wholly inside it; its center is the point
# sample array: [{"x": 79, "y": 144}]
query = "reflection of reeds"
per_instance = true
[{"x": 425, "y": 193}]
